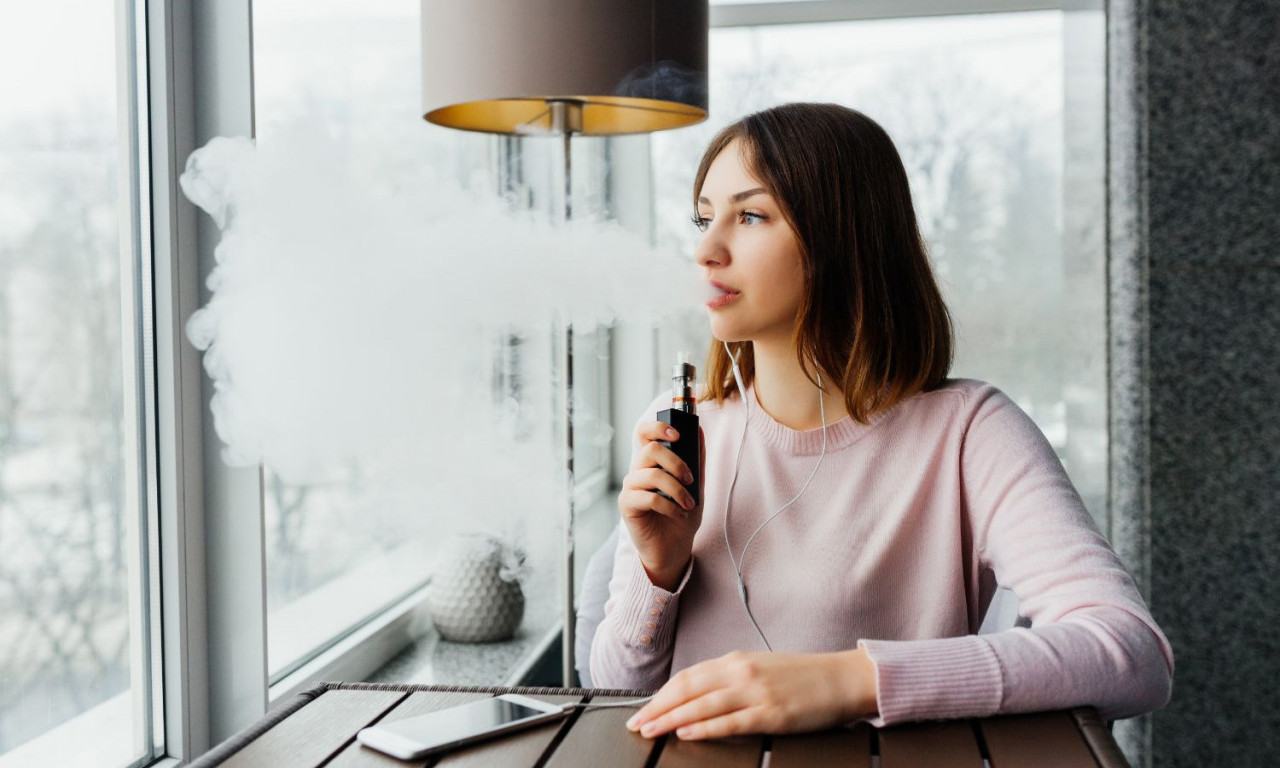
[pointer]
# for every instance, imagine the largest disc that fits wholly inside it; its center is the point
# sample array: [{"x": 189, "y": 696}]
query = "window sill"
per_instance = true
[
  {"x": 362, "y": 651},
  {"x": 91, "y": 739},
  {"x": 433, "y": 660},
  {"x": 522, "y": 660},
  {"x": 401, "y": 646}
]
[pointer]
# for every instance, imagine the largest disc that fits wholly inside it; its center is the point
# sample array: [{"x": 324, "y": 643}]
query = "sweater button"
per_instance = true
[
  {"x": 655, "y": 612},
  {"x": 646, "y": 639},
  {"x": 651, "y": 624}
]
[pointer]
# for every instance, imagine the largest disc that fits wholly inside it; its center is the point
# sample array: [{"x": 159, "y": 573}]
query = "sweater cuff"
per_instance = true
[
  {"x": 934, "y": 679},
  {"x": 645, "y": 616}
]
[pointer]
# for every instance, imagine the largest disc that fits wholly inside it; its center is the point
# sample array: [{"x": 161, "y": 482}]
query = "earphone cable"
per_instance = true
[
  {"x": 741, "y": 561},
  {"x": 594, "y": 705}
]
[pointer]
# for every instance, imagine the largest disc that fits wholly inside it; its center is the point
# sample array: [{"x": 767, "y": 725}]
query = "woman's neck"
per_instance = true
[{"x": 787, "y": 395}]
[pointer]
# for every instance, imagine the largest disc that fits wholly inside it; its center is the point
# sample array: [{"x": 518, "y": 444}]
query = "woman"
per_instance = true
[{"x": 858, "y": 507}]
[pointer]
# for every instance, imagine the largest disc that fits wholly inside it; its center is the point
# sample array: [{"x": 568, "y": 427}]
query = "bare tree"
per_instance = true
[{"x": 63, "y": 580}]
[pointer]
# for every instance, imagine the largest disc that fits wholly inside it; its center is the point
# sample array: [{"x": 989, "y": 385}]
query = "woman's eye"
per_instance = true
[
  {"x": 701, "y": 222},
  {"x": 750, "y": 218}
]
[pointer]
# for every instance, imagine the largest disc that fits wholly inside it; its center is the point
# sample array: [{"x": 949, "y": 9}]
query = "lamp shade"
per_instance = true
[{"x": 633, "y": 66}]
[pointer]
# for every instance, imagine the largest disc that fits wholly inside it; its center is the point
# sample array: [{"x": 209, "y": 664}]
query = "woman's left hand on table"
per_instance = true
[{"x": 755, "y": 692}]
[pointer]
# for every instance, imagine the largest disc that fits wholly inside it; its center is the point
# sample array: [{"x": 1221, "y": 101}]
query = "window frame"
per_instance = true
[{"x": 198, "y": 72}]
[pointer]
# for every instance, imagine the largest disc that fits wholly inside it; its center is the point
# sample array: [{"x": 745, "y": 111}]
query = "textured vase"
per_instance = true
[{"x": 469, "y": 600}]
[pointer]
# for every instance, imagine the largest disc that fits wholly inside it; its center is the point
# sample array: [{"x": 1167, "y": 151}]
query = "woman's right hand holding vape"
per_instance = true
[{"x": 662, "y": 530}]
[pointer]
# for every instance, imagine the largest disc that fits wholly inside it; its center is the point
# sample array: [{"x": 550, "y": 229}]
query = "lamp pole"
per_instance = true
[{"x": 566, "y": 119}]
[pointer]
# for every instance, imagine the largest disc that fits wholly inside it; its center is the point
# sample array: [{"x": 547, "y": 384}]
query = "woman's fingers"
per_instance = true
[
  {"x": 730, "y": 724},
  {"x": 656, "y": 430},
  {"x": 659, "y": 455},
  {"x": 684, "y": 686},
  {"x": 654, "y": 454},
  {"x": 715, "y": 704},
  {"x": 658, "y": 480},
  {"x": 641, "y": 501}
]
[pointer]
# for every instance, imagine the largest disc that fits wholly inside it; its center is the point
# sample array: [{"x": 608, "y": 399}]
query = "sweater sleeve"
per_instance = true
[
  {"x": 633, "y": 644},
  {"x": 1092, "y": 640}
]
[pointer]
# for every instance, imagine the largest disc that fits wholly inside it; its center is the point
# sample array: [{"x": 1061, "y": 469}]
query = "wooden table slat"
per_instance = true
[
  {"x": 950, "y": 744},
  {"x": 843, "y": 748},
  {"x": 1096, "y": 734},
  {"x": 733, "y": 752},
  {"x": 1043, "y": 740},
  {"x": 312, "y": 734},
  {"x": 599, "y": 737},
  {"x": 522, "y": 748},
  {"x": 357, "y": 755}
]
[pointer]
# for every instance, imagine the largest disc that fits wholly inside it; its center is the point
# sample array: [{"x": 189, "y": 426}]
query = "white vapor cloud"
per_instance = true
[{"x": 350, "y": 325}]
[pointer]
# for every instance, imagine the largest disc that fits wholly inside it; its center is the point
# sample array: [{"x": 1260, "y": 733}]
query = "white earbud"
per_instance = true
[{"x": 737, "y": 374}]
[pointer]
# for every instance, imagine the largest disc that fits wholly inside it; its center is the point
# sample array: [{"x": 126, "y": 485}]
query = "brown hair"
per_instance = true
[{"x": 872, "y": 314}]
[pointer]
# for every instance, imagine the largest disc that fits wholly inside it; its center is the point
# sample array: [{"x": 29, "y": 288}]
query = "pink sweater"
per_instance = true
[{"x": 897, "y": 547}]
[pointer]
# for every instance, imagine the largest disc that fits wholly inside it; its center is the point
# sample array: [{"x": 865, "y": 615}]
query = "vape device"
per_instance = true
[{"x": 683, "y": 416}]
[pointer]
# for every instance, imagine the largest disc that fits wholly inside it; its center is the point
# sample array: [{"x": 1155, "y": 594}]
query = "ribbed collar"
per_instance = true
[{"x": 808, "y": 442}]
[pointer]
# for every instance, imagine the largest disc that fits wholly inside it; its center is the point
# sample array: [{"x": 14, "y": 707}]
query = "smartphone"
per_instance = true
[{"x": 414, "y": 737}]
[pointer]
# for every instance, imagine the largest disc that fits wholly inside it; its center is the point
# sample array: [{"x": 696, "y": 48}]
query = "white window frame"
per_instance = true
[{"x": 215, "y": 681}]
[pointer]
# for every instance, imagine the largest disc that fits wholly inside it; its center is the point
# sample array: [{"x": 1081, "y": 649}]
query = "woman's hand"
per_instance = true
[
  {"x": 661, "y": 530},
  {"x": 753, "y": 692}
]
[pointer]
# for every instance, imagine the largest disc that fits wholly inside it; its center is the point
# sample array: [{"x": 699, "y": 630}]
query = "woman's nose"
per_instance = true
[{"x": 710, "y": 251}]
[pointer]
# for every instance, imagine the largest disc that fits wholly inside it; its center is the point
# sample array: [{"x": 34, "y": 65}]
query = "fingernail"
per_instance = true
[
  {"x": 688, "y": 477},
  {"x": 648, "y": 729},
  {"x": 631, "y": 724},
  {"x": 671, "y": 433},
  {"x": 688, "y": 501},
  {"x": 683, "y": 732}
]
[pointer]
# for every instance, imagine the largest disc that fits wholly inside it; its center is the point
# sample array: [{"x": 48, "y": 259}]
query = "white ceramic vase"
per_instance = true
[{"x": 470, "y": 601}]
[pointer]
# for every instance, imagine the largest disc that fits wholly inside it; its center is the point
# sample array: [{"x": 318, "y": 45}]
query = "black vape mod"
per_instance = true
[{"x": 683, "y": 416}]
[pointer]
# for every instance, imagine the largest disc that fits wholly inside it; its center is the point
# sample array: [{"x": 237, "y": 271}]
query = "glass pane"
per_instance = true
[
  {"x": 532, "y": 177},
  {"x": 343, "y": 549},
  {"x": 73, "y": 677},
  {"x": 975, "y": 105}
]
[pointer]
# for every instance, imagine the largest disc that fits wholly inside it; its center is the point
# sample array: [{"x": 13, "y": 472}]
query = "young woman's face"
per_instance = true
[{"x": 749, "y": 254}]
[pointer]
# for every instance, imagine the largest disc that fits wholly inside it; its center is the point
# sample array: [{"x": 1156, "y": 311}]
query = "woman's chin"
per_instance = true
[{"x": 724, "y": 332}]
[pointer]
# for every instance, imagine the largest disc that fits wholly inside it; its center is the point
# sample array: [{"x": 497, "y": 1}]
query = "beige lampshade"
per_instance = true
[{"x": 634, "y": 65}]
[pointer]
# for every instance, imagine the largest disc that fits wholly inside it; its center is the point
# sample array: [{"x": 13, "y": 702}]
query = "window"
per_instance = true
[
  {"x": 339, "y": 550},
  {"x": 78, "y": 677},
  {"x": 1009, "y": 201},
  {"x": 343, "y": 548}
]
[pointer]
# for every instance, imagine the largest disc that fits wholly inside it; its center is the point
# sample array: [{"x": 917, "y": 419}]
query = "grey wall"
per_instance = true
[{"x": 1194, "y": 265}]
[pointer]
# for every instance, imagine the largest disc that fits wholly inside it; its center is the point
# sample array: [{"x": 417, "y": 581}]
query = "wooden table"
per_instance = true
[{"x": 318, "y": 727}]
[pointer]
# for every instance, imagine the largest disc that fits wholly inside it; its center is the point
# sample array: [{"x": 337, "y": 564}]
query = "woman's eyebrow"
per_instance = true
[{"x": 740, "y": 196}]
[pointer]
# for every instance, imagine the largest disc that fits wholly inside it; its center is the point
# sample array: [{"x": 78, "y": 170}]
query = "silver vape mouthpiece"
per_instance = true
[{"x": 683, "y": 378}]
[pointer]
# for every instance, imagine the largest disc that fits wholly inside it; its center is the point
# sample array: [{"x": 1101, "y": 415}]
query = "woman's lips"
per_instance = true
[
  {"x": 723, "y": 295},
  {"x": 720, "y": 301}
]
